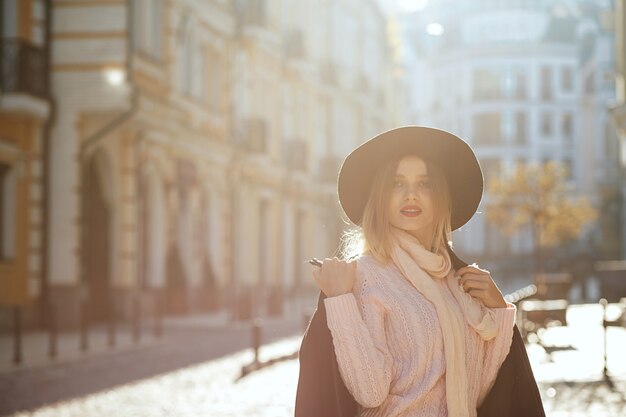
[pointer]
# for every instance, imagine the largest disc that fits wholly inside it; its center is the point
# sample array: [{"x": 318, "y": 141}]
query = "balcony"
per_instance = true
[{"x": 23, "y": 68}]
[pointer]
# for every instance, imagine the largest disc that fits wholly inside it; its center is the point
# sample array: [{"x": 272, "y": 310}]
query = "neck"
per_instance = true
[{"x": 425, "y": 237}]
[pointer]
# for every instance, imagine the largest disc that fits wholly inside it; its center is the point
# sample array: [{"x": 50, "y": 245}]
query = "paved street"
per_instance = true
[
  {"x": 132, "y": 374},
  {"x": 207, "y": 389},
  {"x": 570, "y": 376}
]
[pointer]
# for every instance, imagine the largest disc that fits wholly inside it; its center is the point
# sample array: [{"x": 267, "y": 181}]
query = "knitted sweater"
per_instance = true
[{"x": 389, "y": 346}]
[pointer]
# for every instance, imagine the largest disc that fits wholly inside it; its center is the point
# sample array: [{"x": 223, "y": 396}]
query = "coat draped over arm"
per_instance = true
[{"x": 321, "y": 391}]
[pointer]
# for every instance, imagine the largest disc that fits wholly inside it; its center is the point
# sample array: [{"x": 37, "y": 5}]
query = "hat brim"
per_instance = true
[{"x": 453, "y": 155}]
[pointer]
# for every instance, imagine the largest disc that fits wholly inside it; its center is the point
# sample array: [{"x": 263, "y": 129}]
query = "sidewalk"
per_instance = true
[
  {"x": 35, "y": 344},
  {"x": 570, "y": 379},
  {"x": 568, "y": 364}
]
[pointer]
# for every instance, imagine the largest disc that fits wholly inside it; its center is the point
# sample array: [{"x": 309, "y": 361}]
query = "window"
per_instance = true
[
  {"x": 199, "y": 86},
  {"x": 214, "y": 76},
  {"x": 7, "y": 211},
  {"x": 486, "y": 85},
  {"x": 567, "y": 82},
  {"x": 487, "y": 129},
  {"x": 344, "y": 27},
  {"x": 546, "y": 124},
  {"x": 148, "y": 35},
  {"x": 519, "y": 85},
  {"x": 514, "y": 84},
  {"x": 520, "y": 127},
  {"x": 567, "y": 126},
  {"x": 590, "y": 83},
  {"x": 546, "y": 83},
  {"x": 186, "y": 60},
  {"x": 9, "y": 18}
]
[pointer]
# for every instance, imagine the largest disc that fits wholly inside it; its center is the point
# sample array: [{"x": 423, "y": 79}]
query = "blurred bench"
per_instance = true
[
  {"x": 536, "y": 314},
  {"x": 548, "y": 304},
  {"x": 554, "y": 286}
]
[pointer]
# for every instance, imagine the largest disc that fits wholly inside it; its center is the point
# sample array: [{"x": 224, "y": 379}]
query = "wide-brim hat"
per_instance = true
[{"x": 451, "y": 153}]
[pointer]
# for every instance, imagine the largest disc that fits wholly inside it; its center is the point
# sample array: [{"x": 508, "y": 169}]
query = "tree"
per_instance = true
[{"x": 537, "y": 195}]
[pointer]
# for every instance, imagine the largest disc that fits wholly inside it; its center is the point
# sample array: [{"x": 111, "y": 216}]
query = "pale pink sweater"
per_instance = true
[{"x": 390, "y": 351}]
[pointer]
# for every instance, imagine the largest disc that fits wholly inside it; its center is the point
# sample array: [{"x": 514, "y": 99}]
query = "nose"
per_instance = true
[{"x": 411, "y": 193}]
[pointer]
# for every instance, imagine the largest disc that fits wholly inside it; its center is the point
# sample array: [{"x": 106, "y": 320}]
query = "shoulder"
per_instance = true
[
  {"x": 368, "y": 264},
  {"x": 370, "y": 272}
]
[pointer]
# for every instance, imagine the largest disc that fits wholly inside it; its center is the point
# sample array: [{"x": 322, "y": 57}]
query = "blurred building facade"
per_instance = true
[
  {"x": 619, "y": 119},
  {"x": 523, "y": 82},
  {"x": 598, "y": 144},
  {"x": 194, "y": 149},
  {"x": 25, "y": 110}
]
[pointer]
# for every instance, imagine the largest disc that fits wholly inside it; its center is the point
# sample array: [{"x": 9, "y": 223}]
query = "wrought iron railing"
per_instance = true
[{"x": 23, "y": 68}]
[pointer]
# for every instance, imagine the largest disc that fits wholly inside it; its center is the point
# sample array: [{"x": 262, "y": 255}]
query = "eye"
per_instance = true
[
  {"x": 424, "y": 185},
  {"x": 398, "y": 183}
]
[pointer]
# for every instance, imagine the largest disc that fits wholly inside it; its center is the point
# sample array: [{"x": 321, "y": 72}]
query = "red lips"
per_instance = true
[{"x": 411, "y": 211}]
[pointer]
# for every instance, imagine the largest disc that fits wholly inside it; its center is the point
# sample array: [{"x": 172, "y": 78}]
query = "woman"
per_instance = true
[{"x": 413, "y": 334}]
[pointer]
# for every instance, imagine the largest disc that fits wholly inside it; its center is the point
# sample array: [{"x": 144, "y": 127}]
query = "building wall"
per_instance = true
[
  {"x": 24, "y": 110},
  {"x": 618, "y": 115},
  {"x": 207, "y": 140},
  {"x": 507, "y": 77}
]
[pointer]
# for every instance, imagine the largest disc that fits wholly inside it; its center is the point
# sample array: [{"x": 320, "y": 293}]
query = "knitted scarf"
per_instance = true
[{"x": 422, "y": 268}]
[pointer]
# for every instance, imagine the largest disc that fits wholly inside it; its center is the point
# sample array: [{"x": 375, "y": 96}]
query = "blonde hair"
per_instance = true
[{"x": 373, "y": 235}]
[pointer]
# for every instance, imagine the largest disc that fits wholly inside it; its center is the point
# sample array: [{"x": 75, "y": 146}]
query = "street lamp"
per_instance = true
[{"x": 114, "y": 76}]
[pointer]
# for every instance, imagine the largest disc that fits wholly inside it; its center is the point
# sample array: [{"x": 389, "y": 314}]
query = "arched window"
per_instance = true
[
  {"x": 214, "y": 82},
  {"x": 148, "y": 27},
  {"x": 186, "y": 61}
]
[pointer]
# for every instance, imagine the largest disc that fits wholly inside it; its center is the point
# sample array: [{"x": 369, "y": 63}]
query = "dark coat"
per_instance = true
[{"x": 322, "y": 393}]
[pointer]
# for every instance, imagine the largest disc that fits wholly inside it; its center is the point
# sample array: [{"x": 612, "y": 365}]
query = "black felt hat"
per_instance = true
[{"x": 455, "y": 157}]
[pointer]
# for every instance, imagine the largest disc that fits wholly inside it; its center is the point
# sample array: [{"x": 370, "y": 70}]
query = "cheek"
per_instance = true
[
  {"x": 429, "y": 206},
  {"x": 394, "y": 200}
]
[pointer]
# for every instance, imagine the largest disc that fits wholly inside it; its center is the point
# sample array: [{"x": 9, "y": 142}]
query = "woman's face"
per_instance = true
[{"x": 411, "y": 202}]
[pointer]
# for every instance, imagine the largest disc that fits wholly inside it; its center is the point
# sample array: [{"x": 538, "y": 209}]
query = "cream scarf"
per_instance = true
[{"x": 422, "y": 268}]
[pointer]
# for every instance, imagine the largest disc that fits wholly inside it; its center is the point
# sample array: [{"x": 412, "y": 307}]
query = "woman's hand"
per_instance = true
[
  {"x": 479, "y": 284},
  {"x": 335, "y": 277}
]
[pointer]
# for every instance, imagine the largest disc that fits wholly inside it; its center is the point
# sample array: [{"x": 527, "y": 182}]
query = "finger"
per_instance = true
[
  {"x": 470, "y": 277},
  {"x": 477, "y": 278},
  {"x": 480, "y": 294},
  {"x": 334, "y": 261},
  {"x": 472, "y": 269},
  {"x": 470, "y": 274},
  {"x": 472, "y": 284}
]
